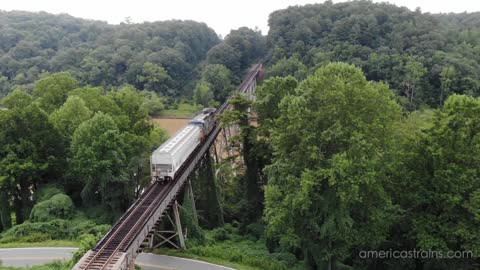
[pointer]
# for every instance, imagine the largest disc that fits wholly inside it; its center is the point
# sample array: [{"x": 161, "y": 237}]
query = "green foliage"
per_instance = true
[
  {"x": 246, "y": 143},
  {"x": 52, "y": 91},
  {"x": 54, "y": 229},
  {"x": 239, "y": 50},
  {"x": 70, "y": 115},
  {"x": 225, "y": 243},
  {"x": 203, "y": 94},
  {"x": 226, "y": 55},
  {"x": 30, "y": 151},
  {"x": 440, "y": 200},
  {"x": 46, "y": 192},
  {"x": 325, "y": 193},
  {"x": 268, "y": 98},
  {"x": 96, "y": 100},
  {"x": 158, "y": 56},
  {"x": 189, "y": 218},
  {"x": 17, "y": 99},
  {"x": 424, "y": 57},
  {"x": 285, "y": 67},
  {"x": 87, "y": 242},
  {"x": 219, "y": 79},
  {"x": 207, "y": 195},
  {"x": 58, "y": 206},
  {"x": 157, "y": 137},
  {"x": 155, "y": 78},
  {"x": 153, "y": 103},
  {"x": 98, "y": 160},
  {"x": 183, "y": 110}
]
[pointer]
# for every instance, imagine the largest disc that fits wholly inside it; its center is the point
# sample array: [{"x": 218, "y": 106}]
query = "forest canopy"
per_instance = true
[
  {"x": 157, "y": 56},
  {"x": 424, "y": 57}
]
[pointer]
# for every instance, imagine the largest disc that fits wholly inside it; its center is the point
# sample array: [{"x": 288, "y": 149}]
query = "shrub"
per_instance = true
[
  {"x": 285, "y": 257},
  {"x": 28, "y": 231},
  {"x": 46, "y": 192},
  {"x": 53, "y": 230},
  {"x": 58, "y": 206},
  {"x": 255, "y": 230}
]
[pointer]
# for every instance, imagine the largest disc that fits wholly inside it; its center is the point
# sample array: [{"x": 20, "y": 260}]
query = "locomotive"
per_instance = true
[{"x": 167, "y": 159}]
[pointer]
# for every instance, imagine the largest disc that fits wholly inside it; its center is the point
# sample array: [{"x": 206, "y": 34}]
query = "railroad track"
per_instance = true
[{"x": 126, "y": 229}]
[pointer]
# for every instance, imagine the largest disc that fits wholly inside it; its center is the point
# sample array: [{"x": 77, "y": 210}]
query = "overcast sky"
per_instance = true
[{"x": 222, "y": 16}]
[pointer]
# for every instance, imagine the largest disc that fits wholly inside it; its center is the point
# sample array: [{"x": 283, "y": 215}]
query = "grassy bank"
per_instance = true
[
  {"x": 190, "y": 255},
  {"x": 225, "y": 246},
  {"x": 182, "y": 110}
]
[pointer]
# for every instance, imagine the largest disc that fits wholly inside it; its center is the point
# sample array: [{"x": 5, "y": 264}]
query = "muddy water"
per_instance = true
[{"x": 171, "y": 125}]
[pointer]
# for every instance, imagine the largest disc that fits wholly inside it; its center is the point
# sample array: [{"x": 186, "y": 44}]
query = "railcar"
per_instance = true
[{"x": 167, "y": 159}]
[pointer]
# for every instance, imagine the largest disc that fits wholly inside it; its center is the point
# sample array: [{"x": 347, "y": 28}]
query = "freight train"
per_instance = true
[{"x": 167, "y": 159}]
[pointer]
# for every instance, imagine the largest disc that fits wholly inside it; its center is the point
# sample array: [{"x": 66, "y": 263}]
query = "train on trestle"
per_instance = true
[{"x": 167, "y": 159}]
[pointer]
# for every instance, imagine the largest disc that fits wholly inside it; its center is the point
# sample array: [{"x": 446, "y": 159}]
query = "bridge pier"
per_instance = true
[
  {"x": 168, "y": 236},
  {"x": 178, "y": 225}
]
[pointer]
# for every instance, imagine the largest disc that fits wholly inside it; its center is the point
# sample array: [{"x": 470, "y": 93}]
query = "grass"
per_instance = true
[
  {"x": 183, "y": 110},
  {"x": 47, "y": 243},
  {"x": 186, "y": 254}
]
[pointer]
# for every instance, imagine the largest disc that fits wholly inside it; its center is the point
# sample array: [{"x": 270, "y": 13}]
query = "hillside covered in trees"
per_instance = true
[
  {"x": 424, "y": 57},
  {"x": 160, "y": 56}
]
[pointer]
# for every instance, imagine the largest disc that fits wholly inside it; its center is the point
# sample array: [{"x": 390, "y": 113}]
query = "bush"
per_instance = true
[
  {"x": 244, "y": 252},
  {"x": 53, "y": 230},
  {"x": 255, "y": 229},
  {"x": 287, "y": 258},
  {"x": 37, "y": 231},
  {"x": 46, "y": 192},
  {"x": 58, "y": 206},
  {"x": 226, "y": 232},
  {"x": 87, "y": 227}
]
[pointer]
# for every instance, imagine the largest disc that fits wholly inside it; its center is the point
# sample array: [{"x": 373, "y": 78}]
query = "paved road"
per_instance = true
[
  {"x": 32, "y": 256},
  {"x": 150, "y": 261},
  {"x": 20, "y": 257}
]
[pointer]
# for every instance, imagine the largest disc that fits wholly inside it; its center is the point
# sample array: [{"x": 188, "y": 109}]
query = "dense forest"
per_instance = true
[
  {"x": 424, "y": 57},
  {"x": 364, "y": 135},
  {"x": 160, "y": 56},
  {"x": 380, "y": 152}
]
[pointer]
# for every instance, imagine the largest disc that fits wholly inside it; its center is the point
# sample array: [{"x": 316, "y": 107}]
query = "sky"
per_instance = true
[{"x": 222, "y": 16}]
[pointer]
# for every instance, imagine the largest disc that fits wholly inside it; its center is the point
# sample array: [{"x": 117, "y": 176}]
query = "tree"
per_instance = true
[
  {"x": 52, "y": 91},
  {"x": 96, "y": 100},
  {"x": 249, "y": 43},
  {"x": 155, "y": 78},
  {"x": 153, "y": 103},
  {"x": 68, "y": 117},
  {"x": 446, "y": 79},
  {"x": 438, "y": 174},
  {"x": 17, "y": 99},
  {"x": 220, "y": 80},
  {"x": 99, "y": 162},
  {"x": 31, "y": 154},
  {"x": 285, "y": 67},
  {"x": 225, "y": 55},
  {"x": 246, "y": 143},
  {"x": 208, "y": 197},
  {"x": 268, "y": 98},
  {"x": 414, "y": 71},
  {"x": 203, "y": 94},
  {"x": 325, "y": 191}
]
